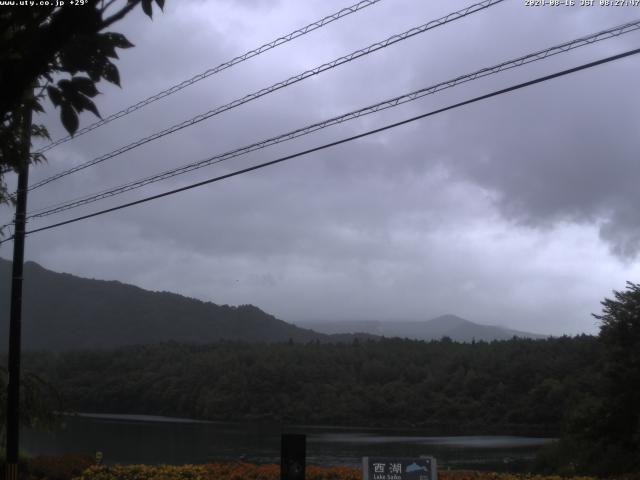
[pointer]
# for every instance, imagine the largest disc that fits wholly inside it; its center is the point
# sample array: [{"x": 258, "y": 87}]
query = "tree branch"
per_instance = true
[
  {"x": 106, "y": 7},
  {"x": 120, "y": 15}
]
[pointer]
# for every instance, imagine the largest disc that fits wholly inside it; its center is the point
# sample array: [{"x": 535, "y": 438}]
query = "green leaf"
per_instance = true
[
  {"x": 55, "y": 95},
  {"x": 37, "y": 157},
  {"x": 160, "y": 4},
  {"x": 107, "y": 48},
  {"x": 40, "y": 131},
  {"x": 94, "y": 71},
  {"x": 146, "y": 7},
  {"x": 35, "y": 106},
  {"x": 118, "y": 40},
  {"x": 85, "y": 86},
  {"x": 110, "y": 73},
  {"x": 76, "y": 56},
  {"x": 65, "y": 86},
  {"x": 81, "y": 103},
  {"x": 69, "y": 118}
]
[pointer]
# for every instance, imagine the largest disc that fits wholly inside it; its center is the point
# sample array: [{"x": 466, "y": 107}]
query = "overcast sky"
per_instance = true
[{"x": 519, "y": 211}]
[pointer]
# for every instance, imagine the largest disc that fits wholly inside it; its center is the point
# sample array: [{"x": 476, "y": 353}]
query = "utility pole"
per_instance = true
[{"x": 15, "y": 321}]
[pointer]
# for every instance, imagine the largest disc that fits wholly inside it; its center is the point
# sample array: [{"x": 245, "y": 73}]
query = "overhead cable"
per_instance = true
[
  {"x": 339, "y": 142},
  {"x": 212, "y": 71},
  {"x": 277, "y": 86},
  {"x": 390, "y": 103}
]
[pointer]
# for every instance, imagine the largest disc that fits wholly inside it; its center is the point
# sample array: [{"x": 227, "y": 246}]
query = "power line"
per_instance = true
[
  {"x": 344, "y": 140},
  {"x": 277, "y": 86},
  {"x": 390, "y": 103},
  {"x": 223, "y": 66}
]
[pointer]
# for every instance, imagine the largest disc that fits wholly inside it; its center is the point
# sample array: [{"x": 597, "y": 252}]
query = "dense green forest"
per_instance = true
[
  {"x": 519, "y": 386},
  {"x": 585, "y": 389}
]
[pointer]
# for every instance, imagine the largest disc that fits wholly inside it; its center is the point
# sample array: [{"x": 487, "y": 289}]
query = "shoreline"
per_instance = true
[{"x": 432, "y": 430}]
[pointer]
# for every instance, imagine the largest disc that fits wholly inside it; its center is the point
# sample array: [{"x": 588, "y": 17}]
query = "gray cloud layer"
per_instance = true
[{"x": 518, "y": 210}]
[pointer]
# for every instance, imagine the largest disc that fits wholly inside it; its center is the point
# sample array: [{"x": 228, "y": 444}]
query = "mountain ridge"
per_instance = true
[
  {"x": 63, "y": 311},
  {"x": 456, "y": 328}
]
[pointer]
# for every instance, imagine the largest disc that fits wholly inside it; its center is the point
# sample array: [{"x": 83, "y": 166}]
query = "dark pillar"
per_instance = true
[
  {"x": 293, "y": 457},
  {"x": 15, "y": 320}
]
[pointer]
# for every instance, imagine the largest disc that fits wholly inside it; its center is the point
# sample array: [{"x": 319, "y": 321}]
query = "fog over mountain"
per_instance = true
[
  {"x": 63, "y": 312},
  {"x": 452, "y": 326}
]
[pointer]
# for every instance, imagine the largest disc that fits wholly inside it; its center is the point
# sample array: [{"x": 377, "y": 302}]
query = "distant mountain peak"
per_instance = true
[
  {"x": 447, "y": 325},
  {"x": 447, "y": 320},
  {"x": 63, "y": 311}
]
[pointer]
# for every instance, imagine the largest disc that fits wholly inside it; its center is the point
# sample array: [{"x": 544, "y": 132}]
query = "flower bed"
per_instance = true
[{"x": 249, "y": 471}]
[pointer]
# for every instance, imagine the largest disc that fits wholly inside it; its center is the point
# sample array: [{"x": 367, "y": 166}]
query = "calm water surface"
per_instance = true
[{"x": 148, "y": 439}]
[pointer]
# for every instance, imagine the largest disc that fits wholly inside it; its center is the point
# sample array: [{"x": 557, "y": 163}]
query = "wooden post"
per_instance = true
[
  {"x": 15, "y": 320},
  {"x": 293, "y": 457}
]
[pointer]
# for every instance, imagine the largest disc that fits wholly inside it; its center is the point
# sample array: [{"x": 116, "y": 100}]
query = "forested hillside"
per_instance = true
[
  {"x": 518, "y": 386},
  {"x": 62, "y": 311}
]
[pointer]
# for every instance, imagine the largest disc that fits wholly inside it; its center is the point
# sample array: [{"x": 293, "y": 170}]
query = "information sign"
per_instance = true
[{"x": 422, "y": 468}]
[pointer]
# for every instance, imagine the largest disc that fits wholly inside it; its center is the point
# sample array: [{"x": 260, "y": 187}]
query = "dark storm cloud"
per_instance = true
[{"x": 560, "y": 153}]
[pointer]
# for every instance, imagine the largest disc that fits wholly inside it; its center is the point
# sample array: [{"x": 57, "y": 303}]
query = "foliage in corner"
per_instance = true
[
  {"x": 603, "y": 430},
  {"x": 59, "y": 52}
]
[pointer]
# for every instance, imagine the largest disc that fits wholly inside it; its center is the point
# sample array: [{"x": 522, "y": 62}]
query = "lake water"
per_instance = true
[{"x": 146, "y": 439}]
